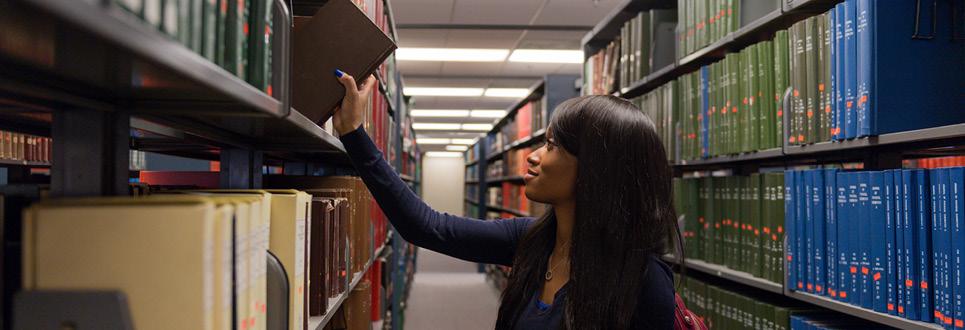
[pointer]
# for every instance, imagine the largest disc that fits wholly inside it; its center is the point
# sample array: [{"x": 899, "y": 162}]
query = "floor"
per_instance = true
[{"x": 448, "y": 293}]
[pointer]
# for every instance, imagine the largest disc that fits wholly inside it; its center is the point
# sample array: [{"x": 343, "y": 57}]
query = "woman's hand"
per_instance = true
[{"x": 350, "y": 113}]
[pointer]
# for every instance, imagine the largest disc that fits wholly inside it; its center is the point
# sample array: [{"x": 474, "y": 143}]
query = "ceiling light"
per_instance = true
[
  {"x": 451, "y": 54},
  {"x": 488, "y": 113},
  {"x": 463, "y": 141},
  {"x": 546, "y": 56},
  {"x": 477, "y": 127},
  {"x": 444, "y": 154},
  {"x": 456, "y": 148},
  {"x": 507, "y": 92},
  {"x": 435, "y": 126},
  {"x": 442, "y": 91},
  {"x": 432, "y": 141},
  {"x": 439, "y": 113}
]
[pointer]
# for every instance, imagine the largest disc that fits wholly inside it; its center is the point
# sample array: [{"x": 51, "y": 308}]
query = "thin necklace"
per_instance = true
[{"x": 549, "y": 273}]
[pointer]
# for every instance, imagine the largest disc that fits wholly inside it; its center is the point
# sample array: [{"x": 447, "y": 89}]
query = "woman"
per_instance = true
[{"x": 591, "y": 262}]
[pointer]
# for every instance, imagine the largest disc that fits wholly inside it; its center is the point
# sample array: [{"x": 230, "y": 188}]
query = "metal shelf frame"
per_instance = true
[
  {"x": 730, "y": 274},
  {"x": 514, "y": 212}
]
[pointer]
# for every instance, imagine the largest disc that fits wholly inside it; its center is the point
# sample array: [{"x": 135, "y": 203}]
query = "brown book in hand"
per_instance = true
[
  {"x": 319, "y": 263},
  {"x": 339, "y": 36}
]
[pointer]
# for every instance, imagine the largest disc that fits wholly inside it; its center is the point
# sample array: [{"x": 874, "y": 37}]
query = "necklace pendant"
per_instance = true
[{"x": 549, "y": 275}]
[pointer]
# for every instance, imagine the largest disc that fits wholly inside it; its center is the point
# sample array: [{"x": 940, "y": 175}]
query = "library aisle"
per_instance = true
[{"x": 448, "y": 293}]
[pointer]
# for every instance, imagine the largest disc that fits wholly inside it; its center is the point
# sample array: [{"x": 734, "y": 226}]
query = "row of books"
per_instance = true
[
  {"x": 234, "y": 34},
  {"x": 701, "y": 23},
  {"x": 734, "y": 105},
  {"x": 24, "y": 147},
  {"x": 215, "y": 277},
  {"x": 513, "y": 163},
  {"x": 472, "y": 191},
  {"x": 883, "y": 240},
  {"x": 472, "y": 172},
  {"x": 734, "y": 221},
  {"x": 471, "y": 210},
  {"x": 658, "y": 105},
  {"x": 527, "y": 119},
  {"x": 600, "y": 70},
  {"x": 474, "y": 152},
  {"x": 512, "y": 196},
  {"x": 845, "y": 66},
  {"x": 633, "y": 55},
  {"x": 727, "y": 307}
]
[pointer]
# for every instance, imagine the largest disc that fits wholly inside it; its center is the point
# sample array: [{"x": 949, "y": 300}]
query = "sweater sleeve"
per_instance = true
[{"x": 475, "y": 240}]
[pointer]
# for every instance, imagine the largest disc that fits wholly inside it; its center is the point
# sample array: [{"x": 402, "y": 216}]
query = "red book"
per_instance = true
[{"x": 524, "y": 121}]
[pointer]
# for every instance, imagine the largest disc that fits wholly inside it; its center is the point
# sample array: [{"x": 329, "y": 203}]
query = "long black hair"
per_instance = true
[{"x": 624, "y": 215}]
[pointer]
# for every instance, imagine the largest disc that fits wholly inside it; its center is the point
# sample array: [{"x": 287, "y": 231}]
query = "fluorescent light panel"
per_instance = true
[
  {"x": 452, "y": 54},
  {"x": 435, "y": 126},
  {"x": 457, "y": 148},
  {"x": 487, "y": 113},
  {"x": 439, "y": 113},
  {"x": 444, "y": 154},
  {"x": 477, "y": 127},
  {"x": 463, "y": 141},
  {"x": 442, "y": 91},
  {"x": 507, "y": 92},
  {"x": 546, "y": 56},
  {"x": 432, "y": 141}
]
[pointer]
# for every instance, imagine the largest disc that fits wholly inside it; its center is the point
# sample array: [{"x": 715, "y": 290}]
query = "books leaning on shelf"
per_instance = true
[
  {"x": 633, "y": 55},
  {"x": 887, "y": 241},
  {"x": 851, "y": 77},
  {"x": 702, "y": 23},
  {"x": 234, "y": 34},
  {"x": 24, "y": 147},
  {"x": 734, "y": 221},
  {"x": 728, "y": 307}
]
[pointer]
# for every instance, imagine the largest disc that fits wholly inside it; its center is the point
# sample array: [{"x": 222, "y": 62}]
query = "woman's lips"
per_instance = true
[{"x": 530, "y": 174}]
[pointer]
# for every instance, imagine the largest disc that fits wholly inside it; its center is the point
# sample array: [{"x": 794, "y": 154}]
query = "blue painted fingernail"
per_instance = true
[{"x": 339, "y": 73}]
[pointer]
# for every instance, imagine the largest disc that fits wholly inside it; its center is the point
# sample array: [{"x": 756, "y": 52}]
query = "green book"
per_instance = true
[
  {"x": 780, "y": 83},
  {"x": 801, "y": 81},
  {"x": 258, "y": 43},
  {"x": 753, "y": 83},
  {"x": 153, "y": 13},
  {"x": 779, "y": 220},
  {"x": 209, "y": 29},
  {"x": 719, "y": 194},
  {"x": 184, "y": 22},
  {"x": 197, "y": 25},
  {"x": 733, "y": 116},
  {"x": 826, "y": 67},
  {"x": 631, "y": 48},
  {"x": 643, "y": 44},
  {"x": 221, "y": 28},
  {"x": 820, "y": 118},
  {"x": 810, "y": 67},
  {"x": 756, "y": 243},
  {"x": 169, "y": 18},
  {"x": 623, "y": 56},
  {"x": 768, "y": 112},
  {"x": 742, "y": 107},
  {"x": 733, "y": 15}
]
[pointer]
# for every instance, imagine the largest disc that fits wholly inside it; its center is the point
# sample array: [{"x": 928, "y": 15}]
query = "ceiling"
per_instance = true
[{"x": 504, "y": 24}]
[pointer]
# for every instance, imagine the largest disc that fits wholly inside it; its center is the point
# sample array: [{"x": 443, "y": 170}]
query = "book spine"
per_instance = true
[
  {"x": 827, "y": 108},
  {"x": 844, "y": 220},
  {"x": 704, "y": 106},
  {"x": 864, "y": 232},
  {"x": 850, "y": 56},
  {"x": 809, "y": 226},
  {"x": 781, "y": 48},
  {"x": 838, "y": 85},
  {"x": 820, "y": 220},
  {"x": 900, "y": 260},
  {"x": 947, "y": 262},
  {"x": 935, "y": 217},
  {"x": 801, "y": 225},
  {"x": 909, "y": 220},
  {"x": 812, "y": 42},
  {"x": 878, "y": 244},
  {"x": 865, "y": 65},
  {"x": 956, "y": 201},
  {"x": 831, "y": 214},
  {"x": 924, "y": 254},
  {"x": 854, "y": 235},
  {"x": 791, "y": 226},
  {"x": 778, "y": 238},
  {"x": 890, "y": 277},
  {"x": 821, "y": 53}
]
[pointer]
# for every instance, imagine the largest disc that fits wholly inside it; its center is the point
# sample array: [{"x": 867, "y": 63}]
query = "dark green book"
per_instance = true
[
  {"x": 644, "y": 29},
  {"x": 778, "y": 207},
  {"x": 801, "y": 81},
  {"x": 235, "y": 39},
  {"x": 765, "y": 125},
  {"x": 221, "y": 26},
  {"x": 733, "y": 116},
  {"x": 821, "y": 118},
  {"x": 719, "y": 247},
  {"x": 753, "y": 80},
  {"x": 754, "y": 230},
  {"x": 258, "y": 43},
  {"x": 209, "y": 29},
  {"x": 780, "y": 63},
  {"x": 197, "y": 25},
  {"x": 811, "y": 66},
  {"x": 826, "y": 66}
]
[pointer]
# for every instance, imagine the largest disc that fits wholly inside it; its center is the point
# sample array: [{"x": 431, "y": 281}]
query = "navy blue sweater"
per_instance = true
[{"x": 492, "y": 242}]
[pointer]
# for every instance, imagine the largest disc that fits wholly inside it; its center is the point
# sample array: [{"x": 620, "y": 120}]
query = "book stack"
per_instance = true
[
  {"x": 887, "y": 240},
  {"x": 722, "y": 307},
  {"x": 734, "y": 106},
  {"x": 540, "y": 116},
  {"x": 234, "y": 34},
  {"x": 600, "y": 70},
  {"x": 851, "y": 78},
  {"x": 514, "y": 198},
  {"x": 701, "y": 23},
  {"x": 24, "y": 147},
  {"x": 734, "y": 221},
  {"x": 659, "y": 106},
  {"x": 379, "y": 125}
]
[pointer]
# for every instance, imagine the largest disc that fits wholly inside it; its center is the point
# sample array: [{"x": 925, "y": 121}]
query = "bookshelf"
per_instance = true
[
  {"x": 759, "y": 21},
  {"x": 127, "y": 86}
]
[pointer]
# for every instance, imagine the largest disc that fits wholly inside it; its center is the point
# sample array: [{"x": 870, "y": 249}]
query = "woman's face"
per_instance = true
[{"x": 551, "y": 175}]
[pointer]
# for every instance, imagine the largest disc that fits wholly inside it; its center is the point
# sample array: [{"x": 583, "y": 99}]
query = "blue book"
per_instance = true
[
  {"x": 800, "y": 224},
  {"x": 879, "y": 228},
  {"x": 956, "y": 199},
  {"x": 909, "y": 217},
  {"x": 854, "y": 234},
  {"x": 831, "y": 230},
  {"x": 947, "y": 284},
  {"x": 790, "y": 225},
  {"x": 890, "y": 274},
  {"x": 905, "y": 95},
  {"x": 864, "y": 232},
  {"x": 808, "y": 185},
  {"x": 923, "y": 247},
  {"x": 819, "y": 222},
  {"x": 865, "y": 64},
  {"x": 936, "y": 240},
  {"x": 838, "y": 71},
  {"x": 850, "y": 81},
  {"x": 900, "y": 274},
  {"x": 844, "y": 280}
]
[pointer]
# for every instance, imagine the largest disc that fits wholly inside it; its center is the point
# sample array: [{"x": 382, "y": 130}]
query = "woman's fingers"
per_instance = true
[
  {"x": 351, "y": 91},
  {"x": 367, "y": 86}
]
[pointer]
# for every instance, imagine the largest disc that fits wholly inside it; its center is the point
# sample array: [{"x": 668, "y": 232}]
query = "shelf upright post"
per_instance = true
[
  {"x": 90, "y": 153},
  {"x": 241, "y": 168}
]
